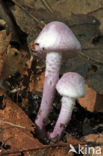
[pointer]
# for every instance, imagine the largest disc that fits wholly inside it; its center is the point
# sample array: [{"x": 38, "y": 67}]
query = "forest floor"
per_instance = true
[{"x": 22, "y": 77}]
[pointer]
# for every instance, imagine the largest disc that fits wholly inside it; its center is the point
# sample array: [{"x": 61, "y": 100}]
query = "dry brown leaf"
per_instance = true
[
  {"x": 95, "y": 139},
  {"x": 15, "y": 61},
  {"x": 92, "y": 7},
  {"x": 11, "y": 59},
  {"x": 62, "y": 151},
  {"x": 16, "y": 128},
  {"x": 63, "y": 148},
  {"x": 4, "y": 42},
  {"x": 74, "y": 141},
  {"x": 92, "y": 101}
]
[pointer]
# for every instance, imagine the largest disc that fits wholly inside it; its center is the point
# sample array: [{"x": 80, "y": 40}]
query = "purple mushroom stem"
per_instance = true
[
  {"x": 71, "y": 86},
  {"x": 53, "y": 63},
  {"x": 64, "y": 117}
]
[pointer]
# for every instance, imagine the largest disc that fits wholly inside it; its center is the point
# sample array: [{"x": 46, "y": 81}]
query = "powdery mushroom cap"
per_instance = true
[
  {"x": 56, "y": 37},
  {"x": 71, "y": 84}
]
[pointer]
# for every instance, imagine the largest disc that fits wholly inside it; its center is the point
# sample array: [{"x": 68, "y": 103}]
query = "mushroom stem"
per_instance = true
[
  {"x": 64, "y": 117},
  {"x": 53, "y": 63}
]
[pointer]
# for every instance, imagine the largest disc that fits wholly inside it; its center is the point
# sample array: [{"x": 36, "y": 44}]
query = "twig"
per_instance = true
[
  {"x": 90, "y": 58},
  {"x": 15, "y": 90},
  {"x": 14, "y": 125},
  {"x": 47, "y": 6},
  {"x": 33, "y": 17},
  {"x": 94, "y": 11}
]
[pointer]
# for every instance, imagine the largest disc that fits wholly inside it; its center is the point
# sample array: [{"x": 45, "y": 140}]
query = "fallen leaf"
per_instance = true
[
  {"x": 74, "y": 141},
  {"x": 62, "y": 151},
  {"x": 92, "y": 101},
  {"x": 75, "y": 6},
  {"x": 11, "y": 59},
  {"x": 15, "y": 61},
  {"x": 94, "y": 139},
  {"x": 16, "y": 128},
  {"x": 4, "y": 42}
]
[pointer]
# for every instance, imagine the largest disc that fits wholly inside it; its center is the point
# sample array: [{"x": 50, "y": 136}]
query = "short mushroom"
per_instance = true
[
  {"x": 55, "y": 40},
  {"x": 71, "y": 86}
]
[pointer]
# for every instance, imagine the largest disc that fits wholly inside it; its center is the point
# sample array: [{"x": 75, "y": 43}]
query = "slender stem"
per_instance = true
[
  {"x": 64, "y": 116},
  {"x": 53, "y": 63}
]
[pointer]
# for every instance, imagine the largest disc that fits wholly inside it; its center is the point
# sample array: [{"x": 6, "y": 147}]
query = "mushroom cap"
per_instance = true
[
  {"x": 71, "y": 84},
  {"x": 56, "y": 37}
]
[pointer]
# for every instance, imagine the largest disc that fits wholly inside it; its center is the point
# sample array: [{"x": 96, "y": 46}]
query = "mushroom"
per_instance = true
[
  {"x": 55, "y": 40},
  {"x": 71, "y": 86}
]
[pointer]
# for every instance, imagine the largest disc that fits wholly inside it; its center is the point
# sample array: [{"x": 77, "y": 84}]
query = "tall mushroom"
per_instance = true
[
  {"x": 71, "y": 86},
  {"x": 55, "y": 40}
]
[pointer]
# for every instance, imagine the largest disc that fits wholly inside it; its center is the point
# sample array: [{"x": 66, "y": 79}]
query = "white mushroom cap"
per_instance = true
[
  {"x": 71, "y": 84},
  {"x": 56, "y": 37}
]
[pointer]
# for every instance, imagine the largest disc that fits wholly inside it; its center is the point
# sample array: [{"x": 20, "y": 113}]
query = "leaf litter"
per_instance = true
[{"x": 23, "y": 76}]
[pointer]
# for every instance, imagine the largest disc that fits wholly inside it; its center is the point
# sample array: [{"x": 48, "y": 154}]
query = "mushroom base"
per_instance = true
[{"x": 64, "y": 117}]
